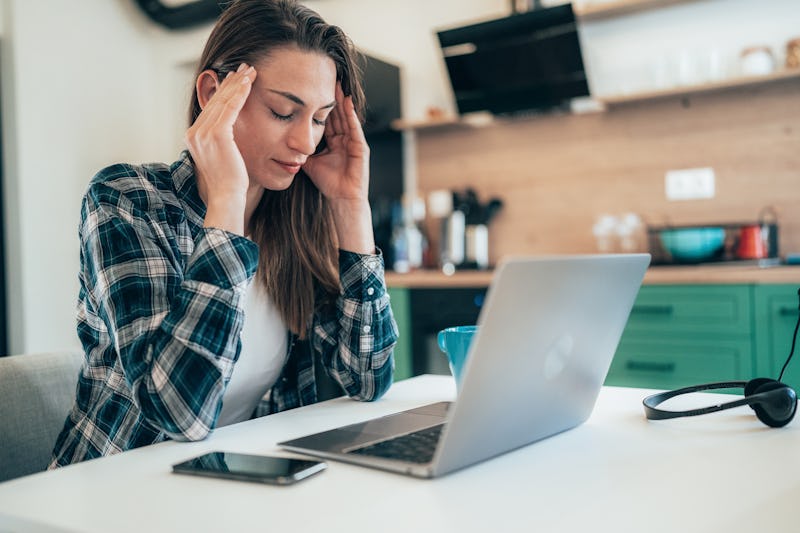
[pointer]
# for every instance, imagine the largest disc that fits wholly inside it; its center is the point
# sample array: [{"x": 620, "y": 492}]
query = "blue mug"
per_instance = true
[{"x": 455, "y": 342}]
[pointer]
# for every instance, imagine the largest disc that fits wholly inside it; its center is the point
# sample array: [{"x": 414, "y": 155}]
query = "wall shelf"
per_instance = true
[
  {"x": 608, "y": 102},
  {"x": 444, "y": 122},
  {"x": 621, "y": 7},
  {"x": 690, "y": 90}
]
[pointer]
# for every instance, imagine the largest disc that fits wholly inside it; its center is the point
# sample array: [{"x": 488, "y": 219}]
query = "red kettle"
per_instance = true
[{"x": 759, "y": 241}]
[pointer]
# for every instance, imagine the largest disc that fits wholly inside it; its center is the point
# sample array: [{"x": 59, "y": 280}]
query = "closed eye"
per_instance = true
[
  {"x": 290, "y": 116},
  {"x": 282, "y": 117}
]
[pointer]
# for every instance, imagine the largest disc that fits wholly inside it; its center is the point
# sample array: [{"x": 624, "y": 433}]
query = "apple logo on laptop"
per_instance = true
[{"x": 556, "y": 358}]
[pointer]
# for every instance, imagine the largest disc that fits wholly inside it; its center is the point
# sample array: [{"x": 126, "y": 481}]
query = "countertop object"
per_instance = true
[
  {"x": 693, "y": 245},
  {"x": 616, "y": 472}
]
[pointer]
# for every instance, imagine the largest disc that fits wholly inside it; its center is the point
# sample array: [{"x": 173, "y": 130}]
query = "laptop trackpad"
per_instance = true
[
  {"x": 405, "y": 422},
  {"x": 347, "y": 437}
]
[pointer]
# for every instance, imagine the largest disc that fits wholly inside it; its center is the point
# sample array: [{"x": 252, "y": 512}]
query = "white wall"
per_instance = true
[
  {"x": 91, "y": 82},
  {"x": 79, "y": 93}
]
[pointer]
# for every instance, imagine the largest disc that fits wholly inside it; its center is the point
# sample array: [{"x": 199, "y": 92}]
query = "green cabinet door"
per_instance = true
[
  {"x": 681, "y": 335},
  {"x": 697, "y": 310},
  {"x": 776, "y": 310},
  {"x": 671, "y": 361},
  {"x": 401, "y": 309}
]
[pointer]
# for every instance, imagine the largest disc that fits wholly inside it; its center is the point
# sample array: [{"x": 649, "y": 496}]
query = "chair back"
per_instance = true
[{"x": 36, "y": 394}]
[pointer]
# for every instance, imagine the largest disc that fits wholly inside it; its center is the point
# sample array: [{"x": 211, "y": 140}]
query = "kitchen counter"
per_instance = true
[
  {"x": 722, "y": 273},
  {"x": 437, "y": 279},
  {"x": 701, "y": 274}
]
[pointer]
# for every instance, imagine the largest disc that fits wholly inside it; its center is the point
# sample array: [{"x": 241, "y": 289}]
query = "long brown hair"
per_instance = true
[{"x": 298, "y": 257}]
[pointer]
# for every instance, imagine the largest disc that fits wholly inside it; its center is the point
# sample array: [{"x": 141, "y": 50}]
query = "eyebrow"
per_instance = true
[{"x": 297, "y": 100}]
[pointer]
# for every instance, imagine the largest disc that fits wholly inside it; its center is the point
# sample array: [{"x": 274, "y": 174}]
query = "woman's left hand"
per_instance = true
[{"x": 341, "y": 171}]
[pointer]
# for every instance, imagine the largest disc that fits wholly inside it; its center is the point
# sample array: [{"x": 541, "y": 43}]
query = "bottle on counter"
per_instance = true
[
  {"x": 450, "y": 227},
  {"x": 409, "y": 242},
  {"x": 399, "y": 240},
  {"x": 453, "y": 241}
]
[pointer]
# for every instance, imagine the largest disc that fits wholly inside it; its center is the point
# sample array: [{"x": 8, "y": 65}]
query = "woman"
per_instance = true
[{"x": 213, "y": 289}]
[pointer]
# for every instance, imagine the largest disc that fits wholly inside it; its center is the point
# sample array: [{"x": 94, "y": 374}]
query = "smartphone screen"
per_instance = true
[{"x": 258, "y": 468}]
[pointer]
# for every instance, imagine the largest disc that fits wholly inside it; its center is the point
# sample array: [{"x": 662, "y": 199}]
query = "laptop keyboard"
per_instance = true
[{"x": 416, "y": 447}]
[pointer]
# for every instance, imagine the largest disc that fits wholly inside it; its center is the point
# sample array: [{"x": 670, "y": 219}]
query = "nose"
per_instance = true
[{"x": 301, "y": 137}]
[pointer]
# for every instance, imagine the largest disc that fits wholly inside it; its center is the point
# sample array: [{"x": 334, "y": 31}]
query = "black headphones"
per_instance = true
[{"x": 775, "y": 403}]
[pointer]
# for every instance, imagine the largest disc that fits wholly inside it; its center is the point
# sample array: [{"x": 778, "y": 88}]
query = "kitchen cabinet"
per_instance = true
[
  {"x": 680, "y": 335},
  {"x": 401, "y": 309},
  {"x": 776, "y": 310},
  {"x": 420, "y": 313},
  {"x": 677, "y": 334}
]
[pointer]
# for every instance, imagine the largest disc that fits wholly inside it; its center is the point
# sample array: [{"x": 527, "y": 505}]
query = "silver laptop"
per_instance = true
[{"x": 548, "y": 330}]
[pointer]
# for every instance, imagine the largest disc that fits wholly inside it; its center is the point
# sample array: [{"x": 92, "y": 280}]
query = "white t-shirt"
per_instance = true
[{"x": 264, "y": 352}]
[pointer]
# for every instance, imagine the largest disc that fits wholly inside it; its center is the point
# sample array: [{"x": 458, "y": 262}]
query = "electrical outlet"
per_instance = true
[{"x": 689, "y": 184}]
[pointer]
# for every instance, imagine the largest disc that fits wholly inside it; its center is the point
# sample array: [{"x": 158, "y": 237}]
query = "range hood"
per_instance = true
[
  {"x": 181, "y": 13},
  {"x": 523, "y": 62}
]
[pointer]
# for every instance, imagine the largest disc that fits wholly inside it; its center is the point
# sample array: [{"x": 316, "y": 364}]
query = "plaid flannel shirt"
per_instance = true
[{"x": 160, "y": 313}]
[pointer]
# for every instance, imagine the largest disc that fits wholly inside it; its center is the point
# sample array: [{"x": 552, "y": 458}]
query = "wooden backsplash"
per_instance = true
[{"x": 557, "y": 173}]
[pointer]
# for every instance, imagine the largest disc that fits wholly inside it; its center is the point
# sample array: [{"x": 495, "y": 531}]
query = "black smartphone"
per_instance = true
[{"x": 244, "y": 467}]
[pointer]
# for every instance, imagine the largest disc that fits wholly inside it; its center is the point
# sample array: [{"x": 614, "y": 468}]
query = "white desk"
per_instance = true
[{"x": 617, "y": 472}]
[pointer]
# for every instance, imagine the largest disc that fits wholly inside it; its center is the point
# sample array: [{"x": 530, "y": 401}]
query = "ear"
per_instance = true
[{"x": 206, "y": 85}]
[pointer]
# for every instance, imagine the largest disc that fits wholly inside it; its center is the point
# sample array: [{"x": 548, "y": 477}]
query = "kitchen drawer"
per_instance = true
[
  {"x": 692, "y": 309},
  {"x": 673, "y": 362}
]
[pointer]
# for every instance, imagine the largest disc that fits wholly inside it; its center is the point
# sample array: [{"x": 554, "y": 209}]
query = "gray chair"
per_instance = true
[{"x": 36, "y": 394}]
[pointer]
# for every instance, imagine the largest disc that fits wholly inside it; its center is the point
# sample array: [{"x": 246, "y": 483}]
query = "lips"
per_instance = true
[{"x": 291, "y": 167}]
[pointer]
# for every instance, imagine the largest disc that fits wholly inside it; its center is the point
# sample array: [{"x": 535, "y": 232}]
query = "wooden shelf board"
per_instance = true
[
  {"x": 477, "y": 121},
  {"x": 733, "y": 83},
  {"x": 608, "y": 102},
  {"x": 621, "y": 7},
  {"x": 400, "y": 124}
]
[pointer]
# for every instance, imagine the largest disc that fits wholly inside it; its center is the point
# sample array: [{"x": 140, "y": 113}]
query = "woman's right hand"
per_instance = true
[{"x": 222, "y": 179}]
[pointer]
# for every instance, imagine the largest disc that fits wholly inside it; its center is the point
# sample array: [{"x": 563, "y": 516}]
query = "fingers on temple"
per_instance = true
[{"x": 227, "y": 102}]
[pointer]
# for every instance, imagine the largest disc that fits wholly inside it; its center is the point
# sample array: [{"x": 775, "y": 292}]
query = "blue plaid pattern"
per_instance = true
[{"x": 160, "y": 315}]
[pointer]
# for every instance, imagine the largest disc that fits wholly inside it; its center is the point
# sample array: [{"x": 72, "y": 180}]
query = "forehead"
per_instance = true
[{"x": 308, "y": 75}]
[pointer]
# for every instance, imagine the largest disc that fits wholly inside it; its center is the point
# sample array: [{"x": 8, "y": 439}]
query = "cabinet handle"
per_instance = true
[
  {"x": 653, "y": 309},
  {"x": 649, "y": 366},
  {"x": 788, "y": 311}
]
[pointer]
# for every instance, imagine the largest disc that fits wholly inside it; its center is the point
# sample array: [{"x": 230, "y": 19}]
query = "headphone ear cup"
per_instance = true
[
  {"x": 756, "y": 383},
  {"x": 779, "y": 405}
]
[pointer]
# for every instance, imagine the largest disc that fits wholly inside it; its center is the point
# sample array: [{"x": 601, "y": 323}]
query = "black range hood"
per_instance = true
[
  {"x": 188, "y": 14},
  {"x": 526, "y": 61}
]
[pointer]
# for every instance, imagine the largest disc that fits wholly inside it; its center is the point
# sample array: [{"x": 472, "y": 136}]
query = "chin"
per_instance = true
[{"x": 272, "y": 183}]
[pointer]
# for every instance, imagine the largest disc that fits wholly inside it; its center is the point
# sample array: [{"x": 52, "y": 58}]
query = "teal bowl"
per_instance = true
[{"x": 693, "y": 244}]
